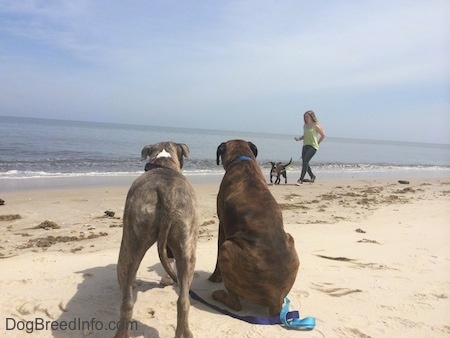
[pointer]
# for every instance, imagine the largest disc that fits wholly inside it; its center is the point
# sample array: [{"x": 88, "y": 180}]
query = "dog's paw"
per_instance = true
[
  {"x": 121, "y": 334},
  {"x": 229, "y": 299},
  {"x": 215, "y": 278},
  {"x": 219, "y": 295},
  {"x": 166, "y": 280}
]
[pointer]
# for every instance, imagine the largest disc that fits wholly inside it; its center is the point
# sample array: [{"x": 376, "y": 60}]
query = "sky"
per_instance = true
[{"x": 370, "y": 69}]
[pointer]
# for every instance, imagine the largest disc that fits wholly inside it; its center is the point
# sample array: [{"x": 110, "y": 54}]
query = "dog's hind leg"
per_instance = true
[
  {"x": 229, "y": 298},
  {"x": 228, "y": 253},
  {"x": 275, "y": 308},
  {"x": 127, "y": 266},
  {"x": 216, "y": 276},
  {"x": 185, "y": 270}
]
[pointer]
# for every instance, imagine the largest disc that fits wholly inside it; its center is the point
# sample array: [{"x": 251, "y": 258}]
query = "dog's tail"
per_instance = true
[
  {"x": 286, "y": 166},
  {"x": 162, "y": 252}
]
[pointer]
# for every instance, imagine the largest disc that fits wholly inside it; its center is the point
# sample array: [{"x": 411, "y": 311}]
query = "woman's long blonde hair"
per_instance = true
[{"x": 312, "y": 114}]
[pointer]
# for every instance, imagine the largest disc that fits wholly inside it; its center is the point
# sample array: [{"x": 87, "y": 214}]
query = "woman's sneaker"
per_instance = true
[{"x": 299, "y": 181}]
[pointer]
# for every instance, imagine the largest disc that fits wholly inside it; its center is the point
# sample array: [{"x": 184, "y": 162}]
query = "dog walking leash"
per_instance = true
[
  {"x": 290, "y": 319},
  {"x": 307, "y": 323}
]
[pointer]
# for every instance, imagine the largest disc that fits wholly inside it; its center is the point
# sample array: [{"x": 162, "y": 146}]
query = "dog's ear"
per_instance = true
[
  {"x": 220, "y": 150},
  {"x": 253, "y": 148},
  {"x": 146, "y": 151},
  {"x": 184, "y": 149}
]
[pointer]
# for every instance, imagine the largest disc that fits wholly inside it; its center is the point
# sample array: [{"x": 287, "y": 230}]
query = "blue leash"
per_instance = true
[
  {"x": 288, "y": 318},
  {"x": 307, "y": 323}
]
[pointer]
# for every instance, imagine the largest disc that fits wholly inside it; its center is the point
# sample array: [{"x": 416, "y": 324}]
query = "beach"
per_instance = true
[{"x": 374, "y": 253}]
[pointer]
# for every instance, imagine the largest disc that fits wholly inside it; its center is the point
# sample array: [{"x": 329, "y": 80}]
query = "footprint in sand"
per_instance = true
[
  {"x": 24, "y": 308},
  {"x": 352, "y": 332},
  {"x": 301, "y": 294},
  {"x": 334, "y": 292}
]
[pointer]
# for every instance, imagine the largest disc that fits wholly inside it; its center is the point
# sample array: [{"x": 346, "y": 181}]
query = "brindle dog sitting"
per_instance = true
[
  {"x": 160, "y": 207},
  {"x": 256, "y": 260}
]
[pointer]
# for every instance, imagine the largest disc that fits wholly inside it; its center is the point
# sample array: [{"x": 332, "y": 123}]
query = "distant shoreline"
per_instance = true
[
  {"x": 90, "y": 181},
  {"x": 51, "y": 183}
]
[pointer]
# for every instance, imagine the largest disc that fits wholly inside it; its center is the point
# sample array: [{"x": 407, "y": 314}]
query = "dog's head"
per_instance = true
[
  {"x": 231, "y": 150},
  {"x": 276, "y": 167},
  {"x": 166, "y": 154}
]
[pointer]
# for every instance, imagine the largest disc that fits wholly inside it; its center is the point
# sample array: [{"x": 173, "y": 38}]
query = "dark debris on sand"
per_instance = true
[
  {"x": 47, "y": 225},
  {"x": 45, "y": 242},
  {"x": 9, "y": 217}
]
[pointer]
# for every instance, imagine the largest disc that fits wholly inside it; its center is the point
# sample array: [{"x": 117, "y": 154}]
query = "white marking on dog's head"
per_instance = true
[{"x": 163, "y": 153}]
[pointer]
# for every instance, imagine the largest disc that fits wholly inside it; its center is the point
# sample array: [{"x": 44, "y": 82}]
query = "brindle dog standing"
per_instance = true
[
  {"x": 256, "y": 259},
  {"x": 160, "y": 207}
]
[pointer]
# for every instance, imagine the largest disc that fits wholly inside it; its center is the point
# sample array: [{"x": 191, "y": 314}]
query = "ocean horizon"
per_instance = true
[{"x": 45, "y": 148}]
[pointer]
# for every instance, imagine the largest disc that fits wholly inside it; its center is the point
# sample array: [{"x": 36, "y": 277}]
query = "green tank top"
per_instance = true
[{"x": 310, "y": 137}]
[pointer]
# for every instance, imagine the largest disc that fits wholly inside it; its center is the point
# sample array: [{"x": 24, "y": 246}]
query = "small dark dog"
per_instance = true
[{"x": 278, "y": 170}]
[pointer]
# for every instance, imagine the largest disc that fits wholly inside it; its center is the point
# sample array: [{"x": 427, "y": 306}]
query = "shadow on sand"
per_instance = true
[{"x": 94, "y": 310}]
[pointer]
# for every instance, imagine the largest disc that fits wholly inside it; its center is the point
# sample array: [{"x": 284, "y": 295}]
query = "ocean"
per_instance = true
[{"x": 42, "y": 148}]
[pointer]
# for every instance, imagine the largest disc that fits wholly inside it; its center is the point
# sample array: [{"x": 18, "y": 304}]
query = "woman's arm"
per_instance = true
[{"x": 320, "y": 131}]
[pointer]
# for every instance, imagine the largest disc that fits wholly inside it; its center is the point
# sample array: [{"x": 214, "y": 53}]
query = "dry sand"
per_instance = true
[{"x": 375, "y": 262}]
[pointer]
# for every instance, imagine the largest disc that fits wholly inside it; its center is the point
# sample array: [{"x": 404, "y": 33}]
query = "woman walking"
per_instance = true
[{"x": 311, "y": 129}]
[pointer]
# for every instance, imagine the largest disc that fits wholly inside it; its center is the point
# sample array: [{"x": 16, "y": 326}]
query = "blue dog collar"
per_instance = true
[{"x": 240, "y": 158}]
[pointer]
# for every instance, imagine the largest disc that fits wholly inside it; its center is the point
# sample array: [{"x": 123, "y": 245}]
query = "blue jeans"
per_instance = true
[{"x": 307, "y": 154}]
